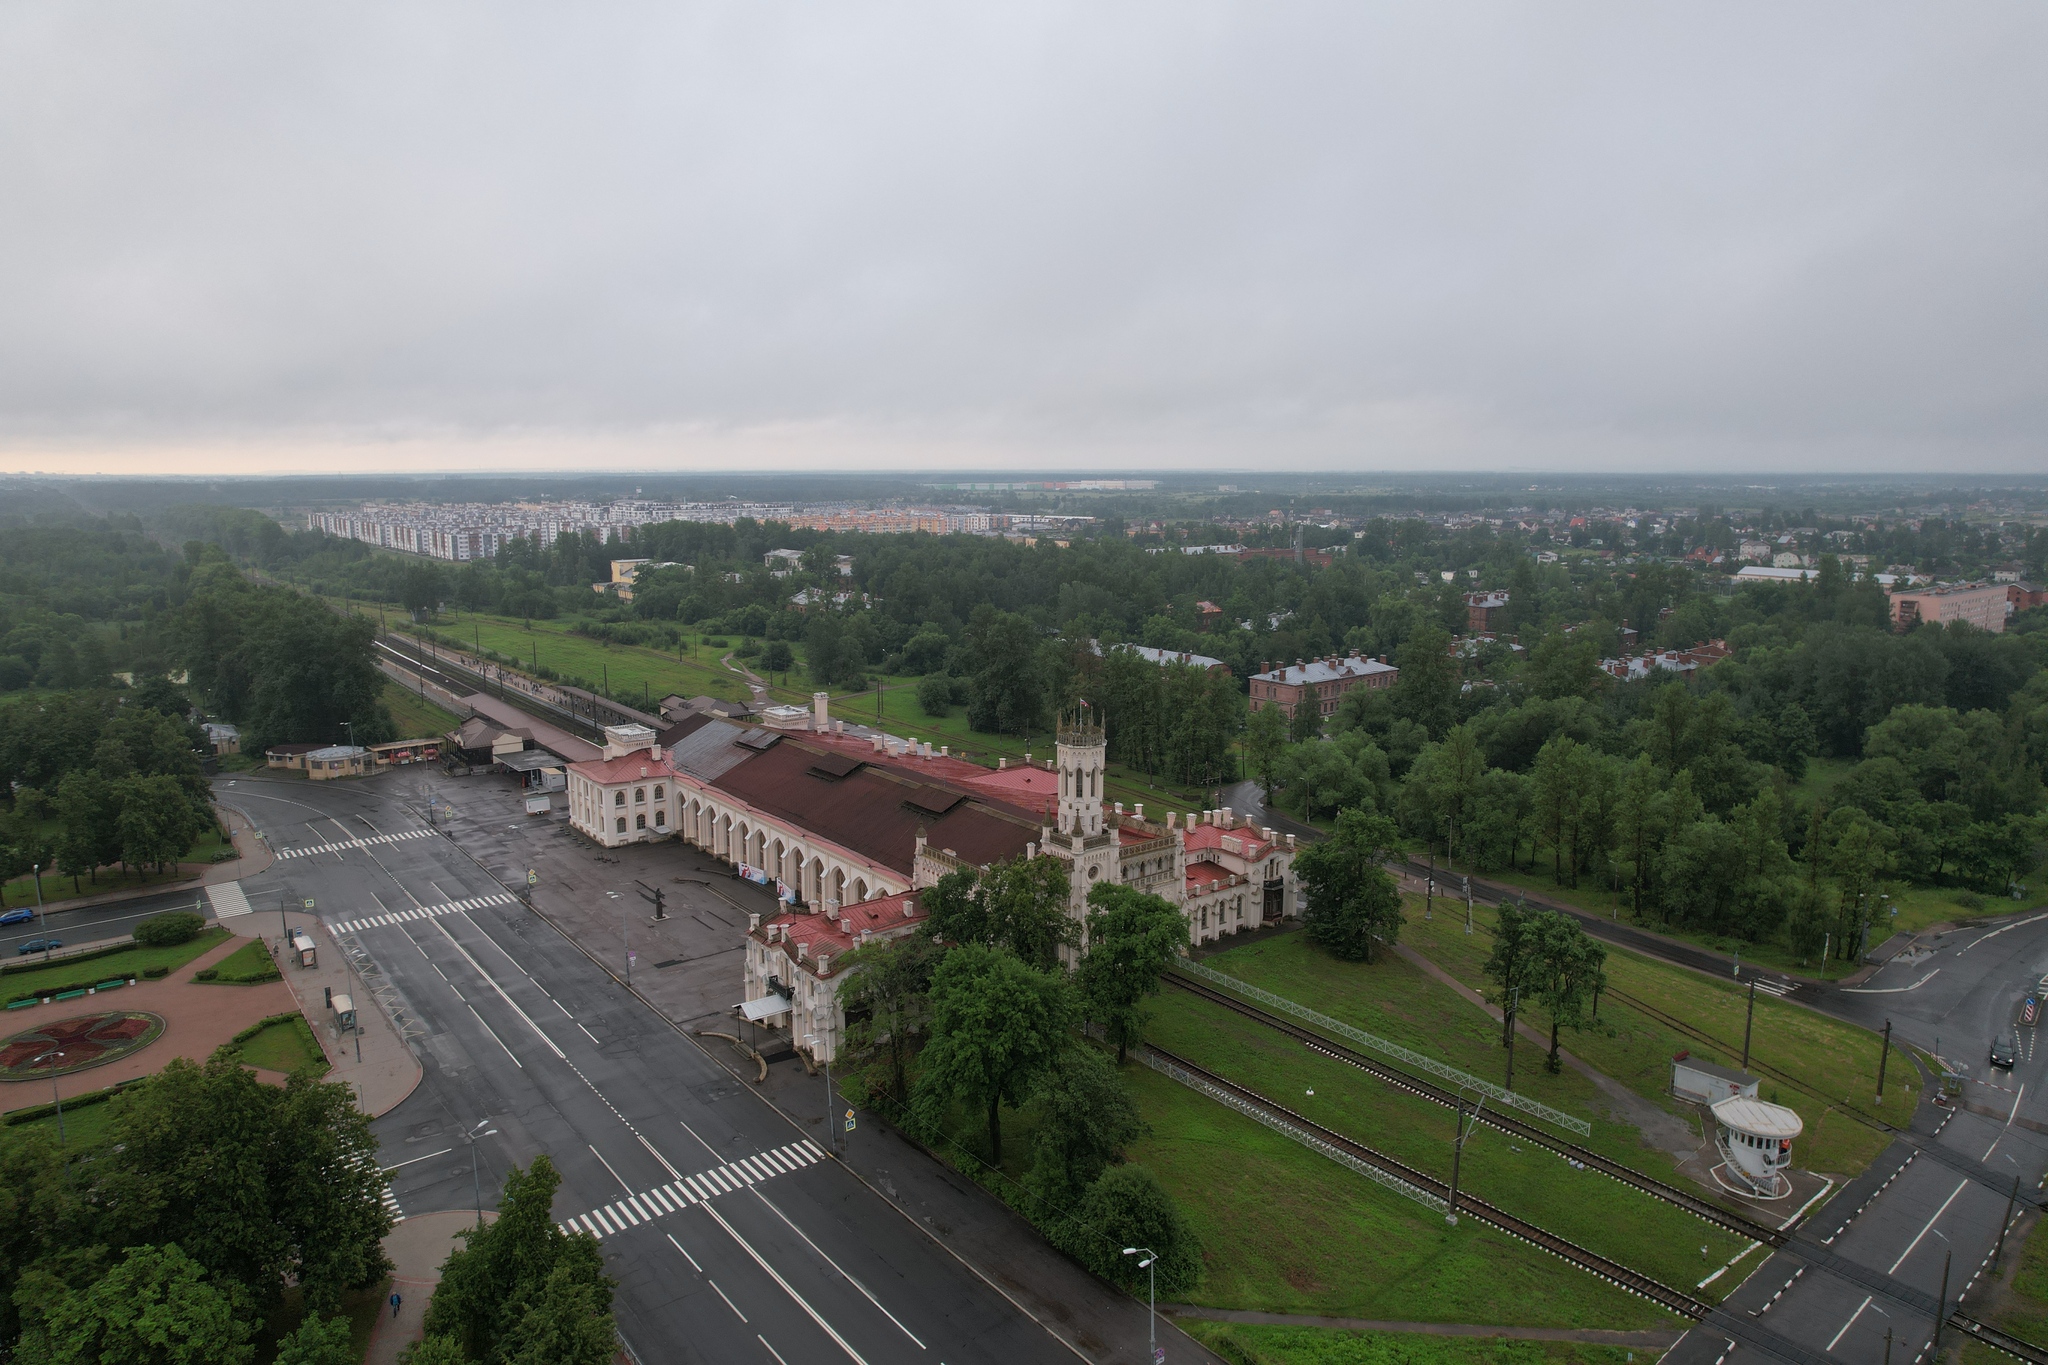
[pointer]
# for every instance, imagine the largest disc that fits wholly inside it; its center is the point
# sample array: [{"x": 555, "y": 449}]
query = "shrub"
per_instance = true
[
  {"x": 206, "y": 974},
  {"x": 169, "y": 929},
  {"x": 1969, "y": 900},
  {"x": 714, "y": 643},
  {"x": 935, "y": 694},
  {"x": 1127, "y": 1207},
  {"x": 155, "y": 973}
]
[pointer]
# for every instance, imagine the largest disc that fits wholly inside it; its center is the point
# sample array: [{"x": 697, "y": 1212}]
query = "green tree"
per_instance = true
[
  {"x": 1085, "y": 1120},
  {"x": 777, "y": 657},
  {"x": 1006, "y": 693},
  {"x": 434, "y": 1350},
  {"x": 1265, "y": 739},
  {"x": 1133, "y": 938},
  {"x": 157, "y": 821},
  {"x": 1570, "y": 970},
  {"x": 1427, "y": 689},
  {"x": 89, "y": 808},
  {"x": 996, "y": 1026},
  {"x": 1020, "y": 905},
  {"x": 518, "y": 1288},
  {"x": 886, "y": 988},
  {"x": 1639, "y": 828},
  {"x": 935, "y": 694},
  {"x": 318, "y": 1341},
  {"x": 155, "y": 1308},
  {"x": 1126, "y": 1207},
  {"x": 1352, "y": 901},
  {"x": 1516, "y": 960}
]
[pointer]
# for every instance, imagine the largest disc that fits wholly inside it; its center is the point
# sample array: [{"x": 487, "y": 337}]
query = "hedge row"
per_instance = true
[
  {"x": 43, "y": 1111},
  {"x": 49, "y": 991},
  {"x": 37, "y": 964},
  {"x": 261, "y": 1024}
]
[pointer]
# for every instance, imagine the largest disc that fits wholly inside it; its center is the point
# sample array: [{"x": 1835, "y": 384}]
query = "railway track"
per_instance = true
[
  {"x": 1701, "y": 1208},
  {"x": 1635, "y": 1282}
]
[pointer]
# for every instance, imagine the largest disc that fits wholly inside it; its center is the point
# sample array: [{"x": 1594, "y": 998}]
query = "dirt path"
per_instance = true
[{"x": 754, "y": 681}]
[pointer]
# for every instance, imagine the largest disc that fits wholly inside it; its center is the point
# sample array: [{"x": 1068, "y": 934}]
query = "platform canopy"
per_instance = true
[
  {"x": 767, "y": 1007},
  {"x": 1757, "y": 1118}
]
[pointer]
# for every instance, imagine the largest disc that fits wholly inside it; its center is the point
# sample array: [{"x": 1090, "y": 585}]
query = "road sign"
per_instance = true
[
  {"x": 309, "y": 902},
  {"x": 849, "y": 1120},
  {"x": 2030, "y": 1013},
  {"x": 532, "y": 877}
]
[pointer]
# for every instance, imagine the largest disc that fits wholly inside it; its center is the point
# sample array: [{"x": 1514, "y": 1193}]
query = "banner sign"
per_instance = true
[{"x": 754, "y": 874}]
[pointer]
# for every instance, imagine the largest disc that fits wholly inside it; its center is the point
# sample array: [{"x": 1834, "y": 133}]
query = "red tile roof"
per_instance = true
[
  {"x": 612, "y": 771},
  {"x": 884, "y": 916},
  {"x": 1212, "y": 836}
]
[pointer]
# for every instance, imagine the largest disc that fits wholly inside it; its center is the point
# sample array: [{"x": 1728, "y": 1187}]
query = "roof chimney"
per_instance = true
[{"x": 821, "y": 711}]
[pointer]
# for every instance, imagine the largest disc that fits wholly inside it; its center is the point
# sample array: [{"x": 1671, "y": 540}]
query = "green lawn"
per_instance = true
[
  {"x": 248, "y": 965},
  {"x": 415, "y": 716},
  {"x": 1262, "y": 1344},
  {"x": 284, "y": 1046},
  {"x": 1836, "y": 1060},
  {"x": 84, "y": 1128},
  {"x": 1286, "y": 1230},
  {"x": 127, "y": 962},
  {"x": 2023, "y": 1304},
  {"x": 1523, "y": 1178}
]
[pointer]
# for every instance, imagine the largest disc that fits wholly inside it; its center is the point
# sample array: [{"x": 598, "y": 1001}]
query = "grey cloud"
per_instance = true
[{"x": 1562, "y": 234}]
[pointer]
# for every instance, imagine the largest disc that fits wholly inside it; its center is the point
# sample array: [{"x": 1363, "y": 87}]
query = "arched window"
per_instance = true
[
  {"x": 660, "y": 819},
  {"x": 639, "y": 796},
  {"x": 640, "y": 822},
  {"x": 657, "y": 793},
  {"x": 622, "y": 824},
  {"x": 620, "y": 798}
]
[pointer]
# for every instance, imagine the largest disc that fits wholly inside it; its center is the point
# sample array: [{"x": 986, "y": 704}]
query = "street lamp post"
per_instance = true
[
  {"x": 41, "y": 919},
  {"x": 831, "y": 1100},
  {"x": 472, "y": 1137},
  {"x": 55, "y": 1096},
  {"x": 1150, "y": 1265}
]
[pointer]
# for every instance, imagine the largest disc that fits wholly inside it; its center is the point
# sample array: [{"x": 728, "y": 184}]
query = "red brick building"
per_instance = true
[{"x": 1321, "y": 683}]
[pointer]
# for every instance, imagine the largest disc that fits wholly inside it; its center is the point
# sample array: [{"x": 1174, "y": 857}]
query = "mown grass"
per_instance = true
[
  {"x": 83, "y": 1128},
  {"x": 637, "y": 673},
  {"x": 1284, "y": 1229},
  {"x": 127, "y": 962},
  {"x": 1837, "y": 1060},
  {"x": 1523, "y": 1178},
  {"x": 415, "y": 716},
  {"x": 249, "y": 965},
  {"x": 1266, "y": 1344},
  {"x": 286, "y": 1046}
]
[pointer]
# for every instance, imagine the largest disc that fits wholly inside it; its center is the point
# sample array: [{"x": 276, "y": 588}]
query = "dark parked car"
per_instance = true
[
  {"x": 39, "y": 945},
  {"x": 2002, "y": 1051}
]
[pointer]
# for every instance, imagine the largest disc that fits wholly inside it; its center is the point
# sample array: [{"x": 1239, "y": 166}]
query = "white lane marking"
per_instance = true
[
  {"x": 563, "y": 1056},
  {"x": 728, "y": 1302},
  {"x": 494, "y": 1036},
  {"x": 673, "y": 1172},
  {"x": 1924, "y": 1231},
  {"x": 770, "y": 1349},
  {"x": 2016, "y": 924},
  {"x": 386, "y": 916},
  {"x": 608, "y": 1166},
  {"x": 841, "y": 1269},
  {"x": 428, "y": 1157},
  {"x": 686, "y": 1255},
  {"x": 787, "y": 1288},
  {"x": 1891, "y": 990},
  {"x": 1847, "y": 1325}
]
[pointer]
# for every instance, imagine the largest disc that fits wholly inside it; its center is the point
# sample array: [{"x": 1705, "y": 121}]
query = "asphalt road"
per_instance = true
[
  {"x": 789, "y": 1258},
  {"x": 98, "y": 921}
]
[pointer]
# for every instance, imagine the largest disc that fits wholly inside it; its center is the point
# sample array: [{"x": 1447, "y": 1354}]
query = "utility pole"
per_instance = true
[
  {"x": 1429, "y": 898},
  {"x": 2010, "y": 1201},
  {"x": 1941, "y": 1307},
  {"x": 476, "y": 1181},
  {"x": 1514, "y": 1003},
  {"x": 1748, "y": 1019},
  {"x": 1464, "y": 1131},
  {"x": 1882, "y": 1058}
]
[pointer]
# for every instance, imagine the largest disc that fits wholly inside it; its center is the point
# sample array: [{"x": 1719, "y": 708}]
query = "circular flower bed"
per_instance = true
[{"x": 67, "y": 1045}]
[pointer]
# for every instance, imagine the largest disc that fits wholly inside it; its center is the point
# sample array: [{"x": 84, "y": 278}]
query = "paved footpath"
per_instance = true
[
  {"x": 1653, "y": 1340},
  {"x": 374, "y": 1060},
  {"x": 417, "y": 1247}
]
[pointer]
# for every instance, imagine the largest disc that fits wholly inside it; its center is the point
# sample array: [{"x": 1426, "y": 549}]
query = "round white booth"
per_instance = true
[{"x": 1755, "y": 1139}]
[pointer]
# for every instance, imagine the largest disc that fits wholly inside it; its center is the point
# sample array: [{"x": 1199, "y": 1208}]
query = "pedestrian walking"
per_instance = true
[{"x": 396, "y": 1299}]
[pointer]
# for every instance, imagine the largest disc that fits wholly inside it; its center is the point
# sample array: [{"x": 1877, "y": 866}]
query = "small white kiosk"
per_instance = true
[{"x": 1755, "y": 1138}]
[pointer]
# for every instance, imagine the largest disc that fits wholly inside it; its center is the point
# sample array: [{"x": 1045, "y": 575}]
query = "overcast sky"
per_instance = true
[{"x": 1105, "y": 235}]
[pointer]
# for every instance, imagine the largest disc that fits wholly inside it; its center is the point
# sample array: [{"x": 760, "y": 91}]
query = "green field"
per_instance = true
[
  {"x": 2022, "y": 1303},
  {"x": 83, "y": 1128},
  {"x": 415, "y": 716},
  {"x": 1265, "y": 1344},
  {"x": 127, "y": 962},
  {"x": 1287, "y": 1230},
  {"x": 1837, "y": 1060},
  {"x": 248, "y": 965},
  {"x": 284, "y": 1046}
]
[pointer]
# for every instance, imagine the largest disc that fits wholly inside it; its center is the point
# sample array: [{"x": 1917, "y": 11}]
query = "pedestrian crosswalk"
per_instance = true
[
  {"x": 228, "y": 900},
  {"x": 349, "y": 926},
  {"x": 1777, "y": 988},
  {"x": 362, "y": 1161},
  {"x": 340, "y": 844},
  {"x": 700, "y": 1188}
]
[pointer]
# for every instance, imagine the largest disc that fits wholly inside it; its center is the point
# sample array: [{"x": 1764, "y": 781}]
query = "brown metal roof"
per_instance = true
[{"x": 870, "y": 811}]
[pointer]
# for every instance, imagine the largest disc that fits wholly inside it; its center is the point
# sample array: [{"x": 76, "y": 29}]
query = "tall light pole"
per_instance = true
[
  {"x": 1150, "y": 1265},
  {"x": 831, "y": 1100},
  {"x": 42, "y": 919},
  {"x": 55, "y": 1096},
  {"x": 472, "y": 1137}
]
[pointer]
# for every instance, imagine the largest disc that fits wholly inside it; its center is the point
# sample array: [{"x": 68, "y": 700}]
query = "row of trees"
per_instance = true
[{"x": 976, "y": 1014}]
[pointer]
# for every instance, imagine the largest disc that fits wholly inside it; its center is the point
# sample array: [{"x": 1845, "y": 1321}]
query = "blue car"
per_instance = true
[
  {"x": 21, "y": 916},
  {"x": 39, "y": 945}
]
